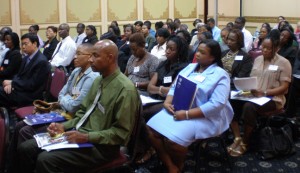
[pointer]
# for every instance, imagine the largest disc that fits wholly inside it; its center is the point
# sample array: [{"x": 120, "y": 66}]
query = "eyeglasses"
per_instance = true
[{"x": 25, "y": 43}]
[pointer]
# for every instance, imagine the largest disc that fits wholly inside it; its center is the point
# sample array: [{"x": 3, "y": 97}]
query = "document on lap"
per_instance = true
[
  {"x": 238, "y": 95},
  {"x": 245, "y": 84},
  {"x": 148, "y": 100},
  {"x": 45, "y": 118},
  {"x": 48, "y": 143}
]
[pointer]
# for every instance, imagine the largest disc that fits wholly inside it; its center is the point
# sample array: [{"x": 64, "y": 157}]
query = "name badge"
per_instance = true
[
  {"x": 238, "y": 58},
  {"x": 273, "y": 67},
  {"x": 136, "y": 69},
  {"x": 75, "y": 91},
  {"x": 5, "y": 61},
  {"x": 200, "y": 78},
  {"x": 168, "y": 79},
  {"x": 101, "y": 108}
]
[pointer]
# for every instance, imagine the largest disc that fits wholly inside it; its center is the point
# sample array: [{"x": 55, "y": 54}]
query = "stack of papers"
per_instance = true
[
  {"x": 245, "y": 84},
  {"x": 48, "y": 143},
  {"x": 237, "y": 95}
]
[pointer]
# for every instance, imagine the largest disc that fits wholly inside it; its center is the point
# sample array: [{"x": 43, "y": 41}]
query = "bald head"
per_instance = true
[
  {"x": 108, "y": 47},
  {"x": 104, "y": 57}
]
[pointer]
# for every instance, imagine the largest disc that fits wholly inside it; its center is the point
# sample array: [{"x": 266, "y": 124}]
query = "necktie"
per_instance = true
[
  {"x": 60, "y": 43},
  {"x": 77, "y": 39},
  {"x": 87, "y": 113}
]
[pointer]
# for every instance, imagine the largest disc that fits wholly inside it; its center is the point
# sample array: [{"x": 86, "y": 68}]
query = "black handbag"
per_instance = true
[{"x": 275, "y": 139}]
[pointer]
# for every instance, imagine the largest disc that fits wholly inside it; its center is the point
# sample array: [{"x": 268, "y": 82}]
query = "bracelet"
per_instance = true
[
  {"x": 187, "y": 115},
  {"x": 159, "y": 90}
]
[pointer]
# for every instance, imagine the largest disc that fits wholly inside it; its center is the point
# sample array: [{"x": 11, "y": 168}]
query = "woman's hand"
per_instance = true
[
  {"x": 257, "y": 93},
  {"x": 169, "y": 107},
  {"x": 55, "y": 128},
  {"x": 179, "y": 115}
]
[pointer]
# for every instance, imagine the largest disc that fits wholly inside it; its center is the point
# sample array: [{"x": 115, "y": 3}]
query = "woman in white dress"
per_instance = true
[{"x": 172, "y": 131}]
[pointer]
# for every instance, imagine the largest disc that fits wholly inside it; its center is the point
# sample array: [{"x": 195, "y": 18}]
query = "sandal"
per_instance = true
[
  {"x": 147, "y": 156},
  {"x": 239, "y": 150},
  {"x": 235, "y": 143}
]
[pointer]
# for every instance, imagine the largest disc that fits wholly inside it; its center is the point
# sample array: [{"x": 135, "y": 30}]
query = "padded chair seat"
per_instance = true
[
  {"x": 24, "y": 111},
  {"x": 122, "y": 159},
  {"x": 2, "y": 143}
]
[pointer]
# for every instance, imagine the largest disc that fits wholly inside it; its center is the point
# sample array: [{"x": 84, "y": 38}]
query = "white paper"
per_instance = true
[
  {"x": 257, "y": 100},
  {"x": 245, "y": 84},
  {"x": 147, "y": 100}
]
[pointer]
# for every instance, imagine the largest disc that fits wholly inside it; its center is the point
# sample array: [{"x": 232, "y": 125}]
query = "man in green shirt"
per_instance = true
[{"x": 105, "y": 119}]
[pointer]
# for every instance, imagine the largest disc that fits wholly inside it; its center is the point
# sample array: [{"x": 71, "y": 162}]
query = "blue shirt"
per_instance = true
[{"x": 67, "y": 100}]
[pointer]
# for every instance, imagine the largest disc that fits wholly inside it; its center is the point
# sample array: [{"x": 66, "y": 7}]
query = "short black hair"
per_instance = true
[
  {"x": 147, "y": 22},
  {"x": 32, "y": 37},
  {"x": 140, "y": 23},
  {"x": 163, "y": 32},
  {"x": 110, "y": 36},
  {"x": 35, "y": 27},
  {"x": 159, "y": 24},
  {"x": 212, "y": 20}
]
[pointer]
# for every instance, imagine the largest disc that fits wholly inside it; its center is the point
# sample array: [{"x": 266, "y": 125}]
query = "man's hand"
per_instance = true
[
  {"x": 76, "y": 137},
  {"x": 55, "y": 128},
  {"x": 7, "y": 89},
  {"x": 6, "y": 82}
]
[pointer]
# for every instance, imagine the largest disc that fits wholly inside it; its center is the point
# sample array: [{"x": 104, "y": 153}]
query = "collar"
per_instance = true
[
  {"x": 32, "y": 55},
  {"x": 66, "y": 39},
  {"x": 208, "y": 70},
  {"x": 105, "y": 81}
]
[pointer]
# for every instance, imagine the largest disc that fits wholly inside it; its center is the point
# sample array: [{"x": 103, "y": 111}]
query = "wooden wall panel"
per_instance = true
[{"x": 83, "y": 11}]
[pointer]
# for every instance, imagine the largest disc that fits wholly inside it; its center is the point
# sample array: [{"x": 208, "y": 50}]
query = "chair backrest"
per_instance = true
[
  {"x": 4, "y": 135},
  {"x": 58, "y": 81}
]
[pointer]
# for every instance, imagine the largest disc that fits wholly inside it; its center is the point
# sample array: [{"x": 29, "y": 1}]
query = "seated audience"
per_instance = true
[
  {"x": 70, "y": 98},
  {"x": 239, "y": 23},
  {"x": 81, "y": 34},
  {"x": 124, "y": 48},
  {"x": 91, "y": 35},
  {"x": 201, "y": 37},
  {"x": 51, "y": 43},
  {"x": 138, "y": 26},
  {"x": 194, "y": 31},
  {"x": 297, "y": 33},
  {"x": 113, "y": 128},
  {"x": 236, "y": 62},
  {"x": 3, "y": 48},
  {"x": 141, "y": 65},
  {"x": 280, "y": 18},
  {"x": 215, "y": 30},
  {"x": 29, "y": 83},
  {"x": 158, "y": 25},
  {"x": 11, "y": 63},
  {"x": 151, "y": 31},
  {"x": 256, "y": 46},
  {"x": 159, "y": 50},
  {"x": 286, "y": 48},
  {"x": 34, "y": 29},
  {"x": 150, "y": 40},
  {"x": 172, "y": 131},
  {"x": 223, "y": 39},
  {"x": 201, "y": 28},
  {"x": 272, "y": 82},
  {"x": 66, "y": 48}
]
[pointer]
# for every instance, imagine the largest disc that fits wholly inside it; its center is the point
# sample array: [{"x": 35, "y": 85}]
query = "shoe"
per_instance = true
[
  {"x": 147, "y": 156},
  {"x": 239, "y": 150},
  {"x": 235, "y": 143}
]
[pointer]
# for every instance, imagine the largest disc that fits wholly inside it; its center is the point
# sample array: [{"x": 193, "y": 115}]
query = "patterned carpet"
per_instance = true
[{"x": 213, "y": 159}]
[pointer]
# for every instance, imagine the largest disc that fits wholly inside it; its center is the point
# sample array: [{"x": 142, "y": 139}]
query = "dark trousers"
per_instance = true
[
  {"x": 76, "y": 160},
  {"x": 22, "y": 133},
  {"x": 251, "y": 111},
  {"x": 293, "y": 100}
]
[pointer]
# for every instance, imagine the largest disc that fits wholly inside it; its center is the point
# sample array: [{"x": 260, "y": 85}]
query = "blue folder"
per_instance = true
[{"x": 184, "y": 94}]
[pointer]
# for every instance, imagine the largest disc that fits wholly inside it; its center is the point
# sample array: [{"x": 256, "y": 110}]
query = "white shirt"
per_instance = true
[
  {"x": 248, "y": 39},
  {"x": 3, "y": 51},
  {"x": 80, "y": 38},
  {"x": 160, "y": 52},
  {"x": 65, "y": 54}
]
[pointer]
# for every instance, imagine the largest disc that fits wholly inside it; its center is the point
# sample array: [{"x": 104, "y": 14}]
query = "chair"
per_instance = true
[
  {"x": 200, "y": 149},
  {"x": 4, "y": 136},
  {"x": 124, "y": 161},
  {"x": 57, "y": 82}
]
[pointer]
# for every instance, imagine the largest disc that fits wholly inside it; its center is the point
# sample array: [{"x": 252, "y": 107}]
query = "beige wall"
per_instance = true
[{"x": 20, "y": 14}]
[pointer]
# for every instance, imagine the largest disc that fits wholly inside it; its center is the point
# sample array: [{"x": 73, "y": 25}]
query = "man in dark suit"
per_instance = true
[{"x": 28, "y": 84}]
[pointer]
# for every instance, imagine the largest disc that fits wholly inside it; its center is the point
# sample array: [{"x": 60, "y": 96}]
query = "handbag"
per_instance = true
[
  {"x": 41, "y": 106},
  {"x": 275, "y": 139}
]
